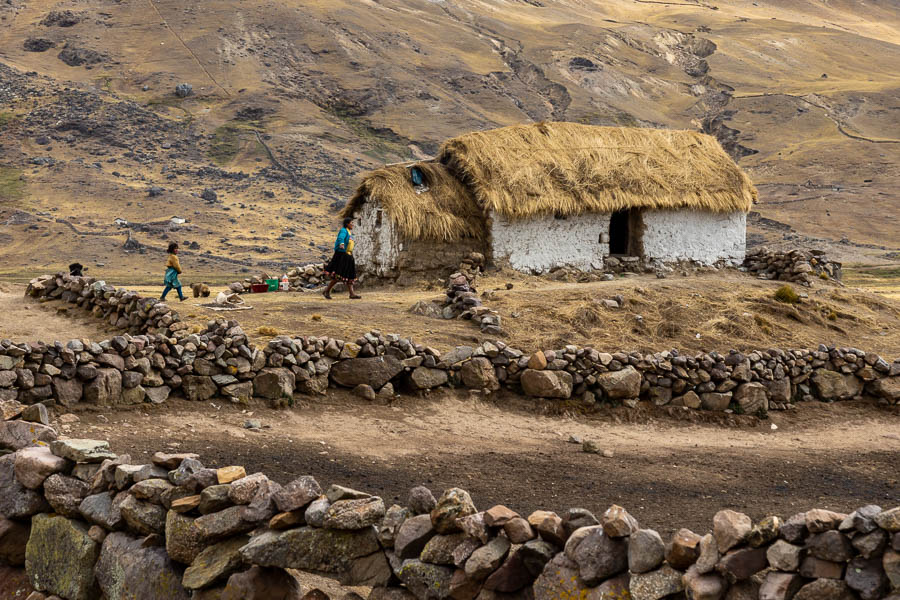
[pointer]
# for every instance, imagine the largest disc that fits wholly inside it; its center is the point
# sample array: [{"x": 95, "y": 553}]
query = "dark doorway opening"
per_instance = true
[{"x": 619, "y": 232}]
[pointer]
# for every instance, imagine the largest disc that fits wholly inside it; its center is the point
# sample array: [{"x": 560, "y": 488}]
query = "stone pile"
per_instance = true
[
  {"x": 462, "y": 302},
  {"x": 800, "y": 266},
  {"x": 84, "y": 522},
  {"x": 308, "y": 277},
  {"x": 221, "y": 362}
]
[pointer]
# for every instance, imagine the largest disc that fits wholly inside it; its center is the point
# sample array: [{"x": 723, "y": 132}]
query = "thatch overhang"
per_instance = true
[
  {"x": 570, "y": 169},
  {"x": 442, "y": 210}
]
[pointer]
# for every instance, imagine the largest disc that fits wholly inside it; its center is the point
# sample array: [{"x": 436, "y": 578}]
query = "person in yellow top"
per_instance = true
[
  {"x": 173, "y": 270},
  {"x": 342, "y": 267}
]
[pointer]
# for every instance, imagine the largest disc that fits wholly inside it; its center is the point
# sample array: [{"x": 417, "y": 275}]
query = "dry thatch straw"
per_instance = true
[
  {"x": 446, "y": 212},
  {"x": 569, "y": 169}
]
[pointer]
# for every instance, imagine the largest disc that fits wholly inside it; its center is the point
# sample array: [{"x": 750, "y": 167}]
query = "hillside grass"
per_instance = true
[{"x": 12, "y": 186}]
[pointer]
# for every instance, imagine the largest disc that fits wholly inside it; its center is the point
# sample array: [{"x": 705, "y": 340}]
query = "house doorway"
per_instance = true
[
  {"x": 624, "y": 233},
  {"x": 619, "y": 232}
]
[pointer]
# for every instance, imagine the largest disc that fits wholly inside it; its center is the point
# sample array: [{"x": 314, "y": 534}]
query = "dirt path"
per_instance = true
[
  {"x": 24, "y": 320},
  {"x": 665, "y": 471}
]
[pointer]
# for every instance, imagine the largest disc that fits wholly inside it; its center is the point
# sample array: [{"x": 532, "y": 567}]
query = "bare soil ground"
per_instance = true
[
  {"x": 669, "y": 467},
  {"x": 26, "y": 321}
]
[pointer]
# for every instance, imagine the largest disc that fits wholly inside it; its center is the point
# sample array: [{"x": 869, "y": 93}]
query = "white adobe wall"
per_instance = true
[
  {"x": 377, "y": 250},
  {"x": 706, "y": 237},
  {"x": 542, "y": 243}
]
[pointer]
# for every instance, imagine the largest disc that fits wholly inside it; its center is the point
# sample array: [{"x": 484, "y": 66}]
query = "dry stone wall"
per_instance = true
[
  {"x": 162, "y": 355},
  {"x": 87, "y": 524},
  {"x": 797, "y": 266}
]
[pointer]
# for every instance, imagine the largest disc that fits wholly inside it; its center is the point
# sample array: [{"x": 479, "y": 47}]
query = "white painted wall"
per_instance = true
[
  {"x": 706, "y": 237},
  {"x": 377, "y": 249},
  {"x": 543, "y": 243}
]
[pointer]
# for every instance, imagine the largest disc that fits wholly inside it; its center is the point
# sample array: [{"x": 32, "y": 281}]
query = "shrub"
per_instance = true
[
  {"x": 269, "y": 331},
  {"x": 823, "y": 275},
  {"x": 832, "y": 316},
  {"x": 316, "y": 317},
  {"x": 787, "y": 295}
]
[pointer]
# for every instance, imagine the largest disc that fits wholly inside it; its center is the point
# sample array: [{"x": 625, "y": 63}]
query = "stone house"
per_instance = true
[{"x": 545, "y": 195}]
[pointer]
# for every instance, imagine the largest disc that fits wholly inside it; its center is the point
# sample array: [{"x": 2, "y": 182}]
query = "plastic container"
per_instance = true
[
  {"x": 285, "y": 284},
  {"x": 258, "y": 288},
  {"x": 272, "y": 284}
]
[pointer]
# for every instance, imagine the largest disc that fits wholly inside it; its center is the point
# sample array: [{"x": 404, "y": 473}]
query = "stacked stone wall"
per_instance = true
[
  {"x": 87, "y": 524},
  {"x": 163, "y": 355},
  {"x": 797, "y": 266}
]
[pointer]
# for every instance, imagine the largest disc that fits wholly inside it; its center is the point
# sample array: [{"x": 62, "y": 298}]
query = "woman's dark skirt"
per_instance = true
[{"x": 341, "y": 267}]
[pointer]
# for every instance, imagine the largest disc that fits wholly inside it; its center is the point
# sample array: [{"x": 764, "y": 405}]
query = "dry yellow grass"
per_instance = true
[
  {"x": 445, "y": 212},
  {"x": 570, "y": 169},
  {"x": 715, "y": 311}
]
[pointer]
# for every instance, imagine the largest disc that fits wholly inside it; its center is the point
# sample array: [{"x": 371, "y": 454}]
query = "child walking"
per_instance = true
[{"x": 173, "y": 270}]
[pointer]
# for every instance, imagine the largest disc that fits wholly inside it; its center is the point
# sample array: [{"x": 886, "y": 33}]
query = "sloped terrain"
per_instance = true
[{"x": 292, "y": 101}]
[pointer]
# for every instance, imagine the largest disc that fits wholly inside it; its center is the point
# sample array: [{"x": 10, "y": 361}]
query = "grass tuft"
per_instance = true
[
  {"x": 787, "y": 295},
  {"x": 268, "y": 331}
]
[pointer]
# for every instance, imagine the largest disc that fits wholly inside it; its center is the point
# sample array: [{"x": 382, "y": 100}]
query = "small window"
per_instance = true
[
  {"x": 417, "y": 177},
  {"x": 560, "y": 217},
  {"x": 378, "y": 219}
]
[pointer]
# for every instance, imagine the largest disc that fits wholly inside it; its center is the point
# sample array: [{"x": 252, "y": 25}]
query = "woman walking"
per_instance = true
[
  {"x": 173, "y": 270},
  {"x": 342, "y": 267}
]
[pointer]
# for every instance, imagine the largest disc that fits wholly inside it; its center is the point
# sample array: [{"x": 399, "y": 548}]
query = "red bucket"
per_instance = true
[{"x": 258, "y": 288}]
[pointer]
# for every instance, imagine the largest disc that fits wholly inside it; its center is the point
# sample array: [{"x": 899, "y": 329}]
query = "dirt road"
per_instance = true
[{"x": 668, "y": 470}]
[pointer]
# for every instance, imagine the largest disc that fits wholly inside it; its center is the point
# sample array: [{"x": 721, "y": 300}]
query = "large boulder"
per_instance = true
[
  {"x": 597, "y": 555},
  {"x": 34, "y": 465},
  {"x": 424, "y": 378},
  {"x": 65, "y": 494},
  {"x": 214, "y": 563},
  {"x": 15, "y": 435},
  {"x": 752, "y": 398},
  {"x": 105, "y": 389},
  {"x": 425, "y": 581},
  {"x": 274, "y": 384},
  {"x": 13, "y": 538},
  {"x": 374, "y": 371},
  {"x": 129, "y": 571},
  {"x": 199, "y": 387},
  {"x": 559, "y": 579},
  {"x": 184, "y": 541},
  {"x": 82, "y": 451},
  {"x": 479, "y": 374},
  {"x": 835, "y": 386},
  {"x": 17, "y": 501},
  {"x": 261, "y": 583},
  {"x": 453, "y": 504},
  {"x": 888, "y": 388},
  {"x": 620, "y": 385},
  {"x": 351, "y": 557},
  {"x": 546, "y": 384},
  {"x": 60, "y": 558},
  {"x": 67, "y": 392}
]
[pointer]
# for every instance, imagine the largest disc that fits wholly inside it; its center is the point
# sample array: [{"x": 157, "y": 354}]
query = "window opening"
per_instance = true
[{"x": 378, "y": 219}]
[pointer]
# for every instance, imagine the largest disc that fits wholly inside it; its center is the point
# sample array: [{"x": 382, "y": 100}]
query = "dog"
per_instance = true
[
  {"x": 75, "y": 269},
  {"x": 200, "y": 289}
]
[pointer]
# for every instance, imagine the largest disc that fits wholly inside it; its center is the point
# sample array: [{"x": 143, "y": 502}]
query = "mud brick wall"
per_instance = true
[
  {"x": 85, "y": 524},
  {"x": 163, "y": 355}
]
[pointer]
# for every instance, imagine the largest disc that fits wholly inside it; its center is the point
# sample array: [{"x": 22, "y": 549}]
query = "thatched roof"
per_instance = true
[
  {"x": 555, "y": 169},
  {"x": 569, "y": 169},
  {"x": 446, "y": 212}
]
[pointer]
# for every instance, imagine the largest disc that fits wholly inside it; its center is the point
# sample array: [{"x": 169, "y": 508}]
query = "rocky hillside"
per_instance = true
[{"x": 289, "y": 102}]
